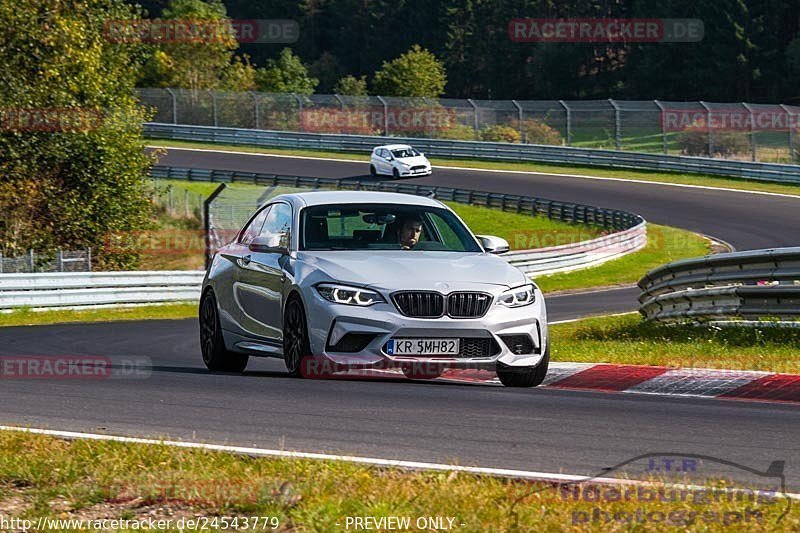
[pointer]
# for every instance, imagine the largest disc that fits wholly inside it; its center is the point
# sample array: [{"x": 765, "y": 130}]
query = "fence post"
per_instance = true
[
  {"x": 299, "y": 111},
  {"x": 170, "y": 200},
  {"x": 207, "y": 221},
  {"x": 519, "y": 118},
  {"x": 89, "y": 259},
  {"x": 430, "y": 116},
  {"x": 710, "y": 130},
  {"x": 385, "y": 116},
  {"x": 789, "y": 127},
  {"x": 60, "y": 260},
  {"x": 617, "y": 125},
  {"x": 214, "y": 107},
  {"x": 30, "y": 259},
  {"x": 474, "y": 117},
  {"x": 341, "y": 107},
  {"x": 663, "y": 125},
  {"x": 186, "y": 203},
  {"x": 1, "y": 262},
  {"x": 752, "y": 131},
  {"x": 254, "y": 96},
  {"x": 174, "y": 106},
  {"x": 569, "y": 121}
]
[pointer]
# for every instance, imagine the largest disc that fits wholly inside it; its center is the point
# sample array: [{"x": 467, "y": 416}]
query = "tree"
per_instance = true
[
  {"x": 287, "y": 74},
  {"x": 351, "y": 86},
  {"x": 208, "y": 63},
  {"x": 76, "y": 175},
  {"x": 416, "y": 73}
]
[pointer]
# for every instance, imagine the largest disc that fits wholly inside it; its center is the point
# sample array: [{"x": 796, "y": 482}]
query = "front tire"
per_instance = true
[
  {"x": 296, "y": 348},
  {"x": 373, "y": 171},
  {"x": 525, "y": 376},
  {"x": 395, "y": 174},
  {"x": 215, "y": 356}
]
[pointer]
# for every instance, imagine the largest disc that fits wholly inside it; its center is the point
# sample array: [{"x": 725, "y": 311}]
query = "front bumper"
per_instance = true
[
  {"x": 419, "y": 172},
  {"x": 328, "y": 323}
]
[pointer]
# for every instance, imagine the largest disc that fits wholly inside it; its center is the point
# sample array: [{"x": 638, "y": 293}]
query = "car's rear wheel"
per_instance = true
[
  {"x": 395, "y": 173},
  {"x": 525, "y": 376},
  {"x": 215, "y": 356},
  {"x": 422, "y": 371},
  {"x": 373, "y": 171}
]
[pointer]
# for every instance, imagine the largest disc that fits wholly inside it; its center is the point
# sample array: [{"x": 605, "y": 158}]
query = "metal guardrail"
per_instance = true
[
  {"x": 771, "y": 172},
  {"x": 629, "y": 230},
  {"x": 725, "y": 288},
  {"x": 82, "y": 289}
]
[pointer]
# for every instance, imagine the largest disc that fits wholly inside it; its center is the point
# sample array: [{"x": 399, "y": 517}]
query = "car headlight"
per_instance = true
[
  {"x": 518, "y": 297},
  {"x": 343, "y": 294}
]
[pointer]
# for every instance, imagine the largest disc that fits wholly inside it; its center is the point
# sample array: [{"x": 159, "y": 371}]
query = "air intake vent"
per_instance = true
[
  {"x": 420, "y": 304},
  {"x": 518, "y": 344},
  {"x": 468, "y": 304}
]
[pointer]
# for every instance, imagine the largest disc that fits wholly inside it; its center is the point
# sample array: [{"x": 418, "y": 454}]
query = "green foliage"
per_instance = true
[
  {"x": 205, "y": 64},
  {"x": 726, "y": 143},
  {"x": 415, "y": 73},
  {"x": 352, "y": 86},
  {"x": 500, "y": 133},
  {"x": 536, "y": 132},
  {"x": 70, "y": 186},
  {"x": 287, "y": 74}
]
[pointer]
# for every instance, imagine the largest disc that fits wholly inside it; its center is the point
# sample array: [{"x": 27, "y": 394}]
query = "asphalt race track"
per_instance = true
[{"x": 531, "y": 429}]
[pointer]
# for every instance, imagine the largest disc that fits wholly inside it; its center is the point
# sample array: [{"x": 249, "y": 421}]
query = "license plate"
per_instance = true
[{"x": 422, "y": 347}]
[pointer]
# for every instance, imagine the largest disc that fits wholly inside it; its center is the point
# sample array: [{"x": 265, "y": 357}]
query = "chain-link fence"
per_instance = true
[
  {"x": 757, "y": 132},
  {"x": 58, "y": 261}
]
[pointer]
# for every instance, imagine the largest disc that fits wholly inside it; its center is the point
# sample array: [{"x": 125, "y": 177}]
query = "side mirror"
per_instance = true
[
  {"x": 492, "y": 244},
  {"x": 268, "y": 245}
]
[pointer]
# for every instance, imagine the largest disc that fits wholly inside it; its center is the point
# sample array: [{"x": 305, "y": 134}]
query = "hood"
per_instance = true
[
  {"x": 418, "y": 160},
  {"x": 407, "y": 270}
]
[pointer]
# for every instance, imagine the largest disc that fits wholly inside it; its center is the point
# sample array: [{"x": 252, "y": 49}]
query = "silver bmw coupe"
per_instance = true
[{"x": 337, "y": 280}]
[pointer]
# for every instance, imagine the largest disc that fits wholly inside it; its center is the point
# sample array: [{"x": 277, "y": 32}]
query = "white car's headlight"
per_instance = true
[
  {"x": 343, "y": 294},
  {"x": 518, "y": 297}
]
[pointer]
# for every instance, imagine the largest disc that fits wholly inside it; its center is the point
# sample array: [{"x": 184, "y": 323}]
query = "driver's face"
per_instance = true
[{"x": 409, "y": 234}]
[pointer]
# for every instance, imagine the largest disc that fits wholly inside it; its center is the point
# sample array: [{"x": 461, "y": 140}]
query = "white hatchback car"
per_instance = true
[{"x": 398, "y": 160}]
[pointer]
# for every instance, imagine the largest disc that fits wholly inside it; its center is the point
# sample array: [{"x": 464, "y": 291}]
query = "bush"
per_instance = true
[
  {"x": 456, "y": 132},
  {"x": 726, "y": 143},
  {"x": 500, "y": 133},
  {"x": 536, "y": 132}
]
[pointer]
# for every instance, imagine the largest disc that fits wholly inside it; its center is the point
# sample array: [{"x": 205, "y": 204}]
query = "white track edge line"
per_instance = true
[
  {"x": 505, "y": 171},
  {"x": 372, "y": 461}
]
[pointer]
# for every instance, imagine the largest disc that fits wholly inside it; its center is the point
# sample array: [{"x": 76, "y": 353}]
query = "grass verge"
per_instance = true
[
  {"x": 644, "y": 175},
  {"x": 26, "y": 317},
  {"x": 627, "y": 339},
  {"x": 664, "y": 245},
  {"x": 46, "y": 477}
]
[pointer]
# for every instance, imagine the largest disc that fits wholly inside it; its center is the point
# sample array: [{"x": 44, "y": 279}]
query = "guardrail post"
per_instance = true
[
  {"x": 710, "y": 130},
  {"x": 790, "y": 127},
  {"x": 385, "y": 116},
  {"x": 663, "y": 125},
  {"x": 254, "y": 96},
  {"x": 474, "y": 117},
  {"x": 214, "y": 107},
  {"x": 752, "y": 131},
  {"x": 174, "y": 106},
  {"x": 617, "y": 125},
  {"x": 569, "y": 121},
  {"x": 520, "y": 114}
]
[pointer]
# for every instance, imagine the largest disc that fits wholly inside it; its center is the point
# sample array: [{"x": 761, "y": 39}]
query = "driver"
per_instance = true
[{"x": 409, "y": 232}]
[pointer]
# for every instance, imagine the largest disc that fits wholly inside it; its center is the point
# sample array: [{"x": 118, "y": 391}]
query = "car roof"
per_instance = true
[
  {"x": 312, "y": 198},
  {"x": 393, "y": 146}
]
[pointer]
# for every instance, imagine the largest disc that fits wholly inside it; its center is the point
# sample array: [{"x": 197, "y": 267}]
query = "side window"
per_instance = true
[
  {"x": 254, "y": 228},
  {"x": 384, "y": 153},
  {"x": 277, "y": 226},
  {"x": 449, "y": 237}
]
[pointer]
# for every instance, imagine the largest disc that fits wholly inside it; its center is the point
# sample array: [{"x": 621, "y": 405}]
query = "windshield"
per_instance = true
[
  {"x": 405, "y": 152},
  {"x": 384, "y": 227}
]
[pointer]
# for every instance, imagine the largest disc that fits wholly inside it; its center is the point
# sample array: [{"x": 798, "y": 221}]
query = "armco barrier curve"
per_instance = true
[
  {"x": 629, "y": 231},
  {"x": 755, "y": 285},
  {"x": 90, "y": 289},
  {"x": 771, "y": 172}
]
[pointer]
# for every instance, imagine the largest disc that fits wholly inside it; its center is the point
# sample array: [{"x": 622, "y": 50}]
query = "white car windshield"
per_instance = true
[
  {"x": 401, "y": 153},
  {"x": 384, "y": 227}
]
